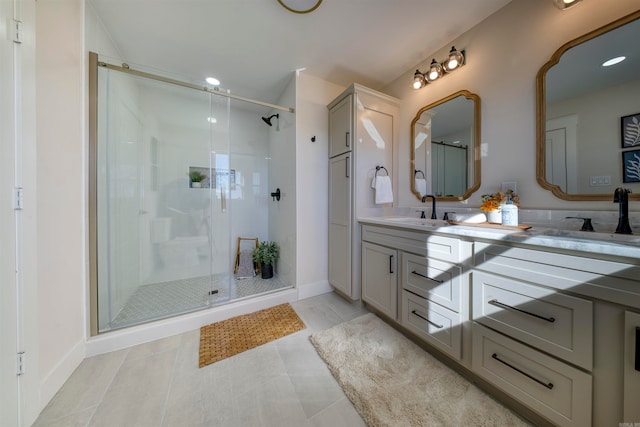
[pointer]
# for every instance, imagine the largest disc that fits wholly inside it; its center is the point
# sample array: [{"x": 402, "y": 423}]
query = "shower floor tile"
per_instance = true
[{"x": 160, "y": 300}]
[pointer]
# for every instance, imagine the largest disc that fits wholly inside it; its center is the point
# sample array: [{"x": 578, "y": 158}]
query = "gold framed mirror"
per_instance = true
[
  {"x": 581, "y": 106},
  {"x": 445, "y": 148}
]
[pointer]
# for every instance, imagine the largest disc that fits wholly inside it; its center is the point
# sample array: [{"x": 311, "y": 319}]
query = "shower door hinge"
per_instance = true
[
  {"x": 17, "y": 31},
  {"x": 18, "y": 198},
  {"x": 20, "y": 363}
]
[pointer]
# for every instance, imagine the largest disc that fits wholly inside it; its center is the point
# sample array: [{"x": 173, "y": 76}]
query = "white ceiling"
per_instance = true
[{"x": 254, "y": 46}]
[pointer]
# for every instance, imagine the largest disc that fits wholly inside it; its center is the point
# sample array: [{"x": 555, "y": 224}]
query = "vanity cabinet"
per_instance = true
[
  {"x": 556, "y": 329},
  {"x": 363, "y": 131},
  {"x": 432, "y": 300},
  {"x": 631, "y": 410},
  {"x": 380, "y": 278},
  {"x": 549, "y": 329},
  {"x": 432, "y": 290}
]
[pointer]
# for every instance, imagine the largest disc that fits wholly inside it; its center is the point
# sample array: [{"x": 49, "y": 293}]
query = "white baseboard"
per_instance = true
[
  {"x": 117, "y": 340},
  {"x": 312, "y": 289},
  {"x": 54, "y": 380}
]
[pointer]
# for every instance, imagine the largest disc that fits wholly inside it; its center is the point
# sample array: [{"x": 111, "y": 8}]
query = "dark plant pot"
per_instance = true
[{"x": 267, "y": 271}]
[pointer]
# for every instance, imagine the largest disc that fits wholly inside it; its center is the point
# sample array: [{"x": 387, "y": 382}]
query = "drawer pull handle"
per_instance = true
[
  {"x": 426, "y": 277},
  {"x": 391, "y": 264},
  {"x": 428, "y": 321},
  {"x": 503, "y": 305},
  {"x": 547, "y": 385},
  {"x": 637, "y": 361}
]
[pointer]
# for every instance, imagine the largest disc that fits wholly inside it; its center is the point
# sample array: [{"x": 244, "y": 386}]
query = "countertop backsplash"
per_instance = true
[{"x": 602, "y": 221}]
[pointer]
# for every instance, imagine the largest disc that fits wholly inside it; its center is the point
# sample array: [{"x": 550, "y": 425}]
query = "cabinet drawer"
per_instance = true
[
  {"x": 559, "y": 324},
  {"x": 436, "y": 280},
  {"x": 556, "y": 390},
  {"x": 437, "y": 325},
  {"x": 607, "y": 280},
  {"x": 421, "y": 243}
]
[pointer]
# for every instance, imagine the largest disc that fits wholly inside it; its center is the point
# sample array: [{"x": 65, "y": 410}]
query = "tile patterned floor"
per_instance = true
[
  {"x": 155, "y": 301},
  {"x": 283, "y": 383}
]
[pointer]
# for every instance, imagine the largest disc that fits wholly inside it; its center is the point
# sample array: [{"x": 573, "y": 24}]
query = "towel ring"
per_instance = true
[
  {"x": 416, "y": 172},
  {"x": 381, "y": 167}
]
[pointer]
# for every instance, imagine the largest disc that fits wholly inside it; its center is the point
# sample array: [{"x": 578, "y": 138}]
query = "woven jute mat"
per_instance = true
[{"x": 232, "y": 336}]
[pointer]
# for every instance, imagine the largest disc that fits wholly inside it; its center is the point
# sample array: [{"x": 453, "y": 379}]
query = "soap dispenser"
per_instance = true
[{"x": 510, "y": 213}]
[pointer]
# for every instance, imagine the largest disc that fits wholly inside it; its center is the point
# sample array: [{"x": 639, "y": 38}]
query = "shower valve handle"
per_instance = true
[{"x": 276, "y": 195}]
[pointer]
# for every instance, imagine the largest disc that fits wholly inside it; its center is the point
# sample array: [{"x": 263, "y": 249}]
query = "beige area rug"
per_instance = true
[
  {"x": 393, "y": 382},
  {"x": 232, "y": 336}
]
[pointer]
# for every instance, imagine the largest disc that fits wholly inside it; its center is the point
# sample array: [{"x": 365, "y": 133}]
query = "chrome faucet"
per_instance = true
[
  {"x": 621, "y": 196},
  {"x": 433, "y": 204}
]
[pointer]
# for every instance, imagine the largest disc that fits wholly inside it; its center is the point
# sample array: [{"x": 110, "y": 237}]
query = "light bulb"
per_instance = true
[
  {"x": 435, "y": 71},
  {"x": 418, "y": 80},
  {"x": 455, "y": 60}
]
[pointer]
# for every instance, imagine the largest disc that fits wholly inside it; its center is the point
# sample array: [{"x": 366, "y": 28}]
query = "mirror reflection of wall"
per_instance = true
[
  {"x": 445, "y": 135},
  {"x": 580, "y": 137}
]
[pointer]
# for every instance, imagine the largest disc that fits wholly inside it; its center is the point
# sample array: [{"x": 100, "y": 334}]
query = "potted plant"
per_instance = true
[
  {"x": 196, "y": 178},
  {"x": 266, "y": 255},
  {"x": 492, "y": 204}
]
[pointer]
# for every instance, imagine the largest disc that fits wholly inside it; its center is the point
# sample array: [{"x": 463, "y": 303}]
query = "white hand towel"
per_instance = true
[
  {"x": 421, "y": 186},
  {"x": 383, "y": 189},
  {"x": 473, "y": 218}
]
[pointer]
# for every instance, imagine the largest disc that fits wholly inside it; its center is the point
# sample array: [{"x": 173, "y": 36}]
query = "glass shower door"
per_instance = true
[{"x": 163, "y": 233}]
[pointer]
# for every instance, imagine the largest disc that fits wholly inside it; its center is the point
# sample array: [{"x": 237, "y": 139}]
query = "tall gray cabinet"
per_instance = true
[{"x": 363, "y": 134}]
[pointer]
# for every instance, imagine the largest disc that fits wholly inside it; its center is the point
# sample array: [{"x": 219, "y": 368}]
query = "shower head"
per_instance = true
[{"x": 267, "y": 120}]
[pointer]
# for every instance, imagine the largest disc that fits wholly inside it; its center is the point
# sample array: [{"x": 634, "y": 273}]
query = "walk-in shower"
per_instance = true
[{"x": 178, "y": 172}]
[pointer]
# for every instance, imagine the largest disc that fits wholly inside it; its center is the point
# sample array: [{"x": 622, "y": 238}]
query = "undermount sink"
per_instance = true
[{"x": 590, "y": 235}]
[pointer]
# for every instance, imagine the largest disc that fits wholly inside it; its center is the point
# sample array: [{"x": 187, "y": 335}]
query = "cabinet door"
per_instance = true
[
  {"x": 379, "y": 278},
  {"x": 631, "y": 366},
  {"x": 340, "y": 224},
  {"x": 340, "y": 125}
]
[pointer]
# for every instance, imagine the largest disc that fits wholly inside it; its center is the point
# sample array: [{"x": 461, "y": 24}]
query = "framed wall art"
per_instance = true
[
  {"x": 630, "y": 130},
  {"x": 631, "y": 166}
]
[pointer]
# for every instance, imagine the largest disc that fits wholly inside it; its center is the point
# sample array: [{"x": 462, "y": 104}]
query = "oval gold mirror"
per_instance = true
[
  {"x": 445, "y": 148},
  {"x": 587, "y": 114}
]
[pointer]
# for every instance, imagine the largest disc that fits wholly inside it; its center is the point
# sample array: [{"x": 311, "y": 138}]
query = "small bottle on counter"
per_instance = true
[{"x": 510, "y": 213}]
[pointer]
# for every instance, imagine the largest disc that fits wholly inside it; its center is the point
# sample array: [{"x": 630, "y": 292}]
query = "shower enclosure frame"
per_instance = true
[{"x": 94, "y": 65}]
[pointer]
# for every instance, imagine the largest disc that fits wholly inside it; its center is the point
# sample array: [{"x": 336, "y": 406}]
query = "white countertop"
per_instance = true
[{"x": 592, "y": 243}]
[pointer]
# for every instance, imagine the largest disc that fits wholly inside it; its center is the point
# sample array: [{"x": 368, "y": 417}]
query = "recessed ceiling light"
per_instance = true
[
  {"x": 212, "y": 120},
  {"x": 614, "y": 61},
  {"x": 213, "y": 81}
]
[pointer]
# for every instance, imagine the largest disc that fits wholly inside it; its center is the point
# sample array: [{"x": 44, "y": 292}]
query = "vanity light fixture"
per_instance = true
[
  {"x": 565, "y": 4},
  {"x": 455, "y": 60}
]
